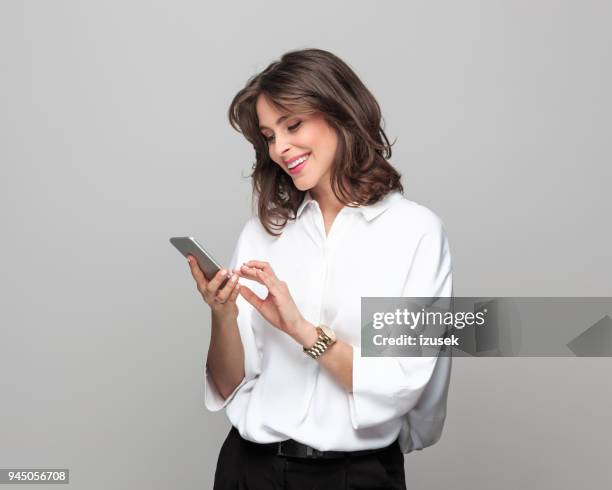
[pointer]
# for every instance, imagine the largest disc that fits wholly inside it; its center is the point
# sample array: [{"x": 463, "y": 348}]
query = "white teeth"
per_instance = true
[{"x": 298, "y": 161}]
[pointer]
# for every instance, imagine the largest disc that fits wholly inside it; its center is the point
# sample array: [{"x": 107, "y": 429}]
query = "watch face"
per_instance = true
[{"x": 329, "y": 332}]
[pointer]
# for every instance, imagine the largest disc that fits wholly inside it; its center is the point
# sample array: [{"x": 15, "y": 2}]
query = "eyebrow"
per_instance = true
[{"x": 278, "y": 121}]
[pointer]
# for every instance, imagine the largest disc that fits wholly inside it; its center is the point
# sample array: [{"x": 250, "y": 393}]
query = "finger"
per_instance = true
[
  {"x": 224, "y": 294},
  {"x": 271, "y": 283},
  {"x": 235, "y": 292},
  {"x": 260, "y": 264},
  {"x": 265, "y": 277},
  {"x": 253, "y": 274},
  {"x": 196, "y": 272},
  {"x": 216, "y": 281},
  {"x": 251, "y": 297},
  {"x": 249, "y": 273}
]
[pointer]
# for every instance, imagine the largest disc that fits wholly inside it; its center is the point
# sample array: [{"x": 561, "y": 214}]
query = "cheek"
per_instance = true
[
  {"x": 276, "y": 159},
  {"x": 326, "y": 143},
  {"x": 273, "y": 155},
  {"x": 316, "y": 137}
]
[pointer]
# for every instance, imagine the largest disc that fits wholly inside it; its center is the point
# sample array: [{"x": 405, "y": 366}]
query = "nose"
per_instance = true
[{"x": 282, "y": 144}]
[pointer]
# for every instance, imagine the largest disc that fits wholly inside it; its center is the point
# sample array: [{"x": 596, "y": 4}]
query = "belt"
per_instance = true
[{"x": 294, "y": 449}]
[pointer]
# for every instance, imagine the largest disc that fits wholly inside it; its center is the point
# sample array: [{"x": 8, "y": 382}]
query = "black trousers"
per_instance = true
[{"x": 244, "y": 465}]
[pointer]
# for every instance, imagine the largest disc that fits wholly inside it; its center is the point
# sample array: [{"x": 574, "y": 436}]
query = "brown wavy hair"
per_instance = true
[{"x": 316, "y": 81}]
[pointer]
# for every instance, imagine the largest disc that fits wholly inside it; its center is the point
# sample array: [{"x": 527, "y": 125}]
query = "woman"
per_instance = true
[{"x": 307, "y": 411}]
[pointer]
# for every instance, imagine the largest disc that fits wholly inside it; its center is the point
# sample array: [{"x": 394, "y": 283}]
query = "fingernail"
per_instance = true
[{"x": 223, "y": 271}]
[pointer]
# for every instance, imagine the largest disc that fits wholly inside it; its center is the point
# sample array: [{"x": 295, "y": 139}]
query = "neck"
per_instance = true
[{"x": 328, "y": 203}]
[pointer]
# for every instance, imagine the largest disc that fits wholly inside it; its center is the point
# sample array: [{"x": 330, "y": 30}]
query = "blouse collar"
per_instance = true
[{"x": 369, "y": 212}]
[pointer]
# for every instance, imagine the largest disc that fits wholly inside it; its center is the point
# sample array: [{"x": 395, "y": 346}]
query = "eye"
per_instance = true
[{"x": 269, "y": 139}]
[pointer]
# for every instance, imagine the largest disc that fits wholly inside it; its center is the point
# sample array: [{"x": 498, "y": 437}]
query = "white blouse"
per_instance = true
[{"x": 395, "y": 247}]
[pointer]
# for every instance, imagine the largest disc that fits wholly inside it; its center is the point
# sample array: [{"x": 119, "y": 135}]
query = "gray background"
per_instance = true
[{"x": 115, "y": 137}]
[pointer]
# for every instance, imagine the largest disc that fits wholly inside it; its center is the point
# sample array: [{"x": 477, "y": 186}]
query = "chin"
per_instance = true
[{"x": 304, "y": 186}]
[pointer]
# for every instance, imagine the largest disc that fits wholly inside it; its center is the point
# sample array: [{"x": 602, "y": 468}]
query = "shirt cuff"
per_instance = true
[
  {"x": 212, "y": 398},
  {"x": 386, "y": 388}
]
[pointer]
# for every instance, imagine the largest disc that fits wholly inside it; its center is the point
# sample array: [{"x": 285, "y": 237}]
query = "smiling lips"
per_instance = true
[
  {"x": 295, "y": 165},
  {"x": 293, "y": 159}
]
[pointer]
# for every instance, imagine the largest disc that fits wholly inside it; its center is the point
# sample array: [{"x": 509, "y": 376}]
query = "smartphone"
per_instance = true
[{"x": 188, "y": 245}]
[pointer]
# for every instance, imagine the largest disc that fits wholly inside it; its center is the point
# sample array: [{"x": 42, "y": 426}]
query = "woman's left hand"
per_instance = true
[{"x": 278, "y": 308}]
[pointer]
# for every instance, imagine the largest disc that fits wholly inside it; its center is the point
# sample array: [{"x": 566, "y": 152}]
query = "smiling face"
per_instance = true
[{"x": 293, "y": 135}]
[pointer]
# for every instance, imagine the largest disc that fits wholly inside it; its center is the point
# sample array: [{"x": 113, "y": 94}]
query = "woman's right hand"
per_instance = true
[{"x": 222, "y": 302}]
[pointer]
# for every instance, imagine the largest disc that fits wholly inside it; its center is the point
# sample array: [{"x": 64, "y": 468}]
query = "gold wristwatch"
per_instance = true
[{"x": 327, "y": 337}]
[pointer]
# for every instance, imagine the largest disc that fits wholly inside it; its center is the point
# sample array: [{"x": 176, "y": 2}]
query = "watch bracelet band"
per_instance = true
[{"x": 320, "y": 346}]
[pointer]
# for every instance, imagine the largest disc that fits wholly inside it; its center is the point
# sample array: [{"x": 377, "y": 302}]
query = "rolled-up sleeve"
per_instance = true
[
  {"x": 252, "y": 363},
  {"x": 385, "y": 388}
]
